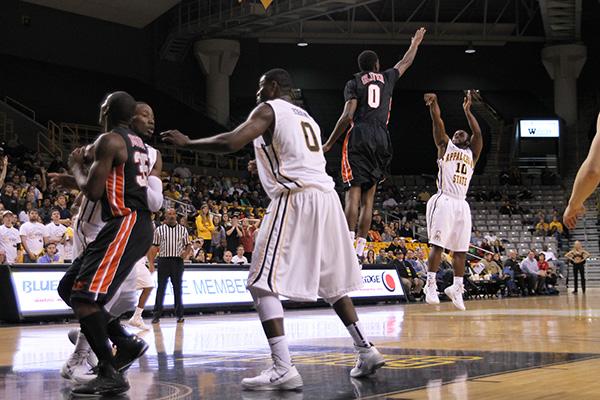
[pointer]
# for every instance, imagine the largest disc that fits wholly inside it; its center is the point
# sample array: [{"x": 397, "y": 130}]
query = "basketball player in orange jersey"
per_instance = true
[
  {"x": 586, "y": 181},
  {"x": 448, "y": 213},
  {"x": 367, "y": 149}
]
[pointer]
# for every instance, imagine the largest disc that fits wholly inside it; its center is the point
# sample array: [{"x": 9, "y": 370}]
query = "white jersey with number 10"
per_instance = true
[
  {"x": 294, "y": 159},
  {"x": 455, "y": 171}
]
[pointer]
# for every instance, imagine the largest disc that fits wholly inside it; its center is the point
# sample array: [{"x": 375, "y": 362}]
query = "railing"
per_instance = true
[
  {"x": 180, "y": 206},
  {"x": 22, "y": 108}
]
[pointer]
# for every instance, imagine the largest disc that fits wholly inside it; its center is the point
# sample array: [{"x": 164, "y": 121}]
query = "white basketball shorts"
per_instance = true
[
  {"x": 144, "y": 277},
  {"x": 449, "y": 222},
  {"x": 302, "y": 251}
]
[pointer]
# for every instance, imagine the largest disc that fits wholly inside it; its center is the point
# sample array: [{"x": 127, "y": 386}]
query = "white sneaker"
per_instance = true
[
  {"x": 137, "y": 322},
  {"x": 275, "y": 378},
  {"x": 431, "y": 294},
  {"x": 455, "y": 293},
  {"x": 77, "y": 363},
  {"x": 91, "y": 357},
  {"x": 83, "y": 374},
  {"x": 368, "y": 360}
]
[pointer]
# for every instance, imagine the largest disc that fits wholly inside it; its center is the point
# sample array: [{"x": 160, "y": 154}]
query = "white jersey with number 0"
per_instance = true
[
  {"x": 294, "y": 159},
  {"x": 455, "y": 171}
]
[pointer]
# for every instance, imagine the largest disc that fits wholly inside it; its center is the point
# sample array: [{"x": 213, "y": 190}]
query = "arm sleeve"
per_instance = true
[
  {"x": 350, "y": 90},
  {"x": 154, "y": 193}
]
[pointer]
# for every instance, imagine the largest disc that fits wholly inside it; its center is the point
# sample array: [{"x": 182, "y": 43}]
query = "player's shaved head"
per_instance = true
[
  {"x": 117, "y": 108},
  {"x": 281, "y": 76},
  {"x": 367, "y": 60}
]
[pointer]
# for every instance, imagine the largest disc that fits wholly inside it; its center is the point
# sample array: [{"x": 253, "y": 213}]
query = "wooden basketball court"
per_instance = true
[{"x": 528, "y": 348}]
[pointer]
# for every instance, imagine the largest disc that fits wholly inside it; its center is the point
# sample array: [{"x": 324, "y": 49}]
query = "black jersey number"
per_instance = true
[
  {"x": 373, "y": 96},
  {"x": 143, "y": 164},
  {"x": 461, "y": 168},
  {"x": 310, "y": 137}
]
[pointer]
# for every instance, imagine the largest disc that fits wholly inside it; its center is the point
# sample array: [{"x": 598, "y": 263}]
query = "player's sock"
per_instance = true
[
  {"x": 280, "y": 350},
  {"x": 82, "y": 343},
  {"x": 116, "y": 332},
  {"x": 360, "y": 339},
  {"x": 360, "y": 246},
  {"x": 138, "y": 312},
  {"x": 458, "y": 281},
  {"x": 94, "y": 328},
  {"x": 431, "y": 277}
]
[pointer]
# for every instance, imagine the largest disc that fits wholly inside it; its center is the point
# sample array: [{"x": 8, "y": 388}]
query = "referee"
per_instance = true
[{"x": 171, "y": 242}]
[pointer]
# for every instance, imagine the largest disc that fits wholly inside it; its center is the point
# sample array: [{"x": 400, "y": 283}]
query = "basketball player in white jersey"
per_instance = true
[
  {"x": 87, "y": 224},
  {"x": 448, "y": 213},
  {"x": 302, "y": 252}
]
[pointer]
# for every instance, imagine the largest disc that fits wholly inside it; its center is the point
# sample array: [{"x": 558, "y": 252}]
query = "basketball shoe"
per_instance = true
[
  {"x": 278, "y": 377},
  {"x": 368, "y": 360},
  {"x": 455, "y": 293},
  {"x": 431, "y": 294}
]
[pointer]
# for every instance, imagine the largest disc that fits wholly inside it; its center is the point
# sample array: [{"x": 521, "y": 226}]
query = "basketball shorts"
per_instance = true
[
  {"x": 366, "y": 156},
  {"x": 302, "y": 251},
  {"x": 107, "y": 261},
  {"x": 449, "y": 222},
  {"x": 143, "y": 276}
]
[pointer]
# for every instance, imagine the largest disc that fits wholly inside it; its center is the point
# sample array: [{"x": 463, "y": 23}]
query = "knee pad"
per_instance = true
[{"x": 267, "y": 304}]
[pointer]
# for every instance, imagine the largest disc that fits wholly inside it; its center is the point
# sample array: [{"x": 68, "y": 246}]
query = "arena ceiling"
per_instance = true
[
  {"x": 134, "y": 13},
  {"x": 449, "y": 22}
]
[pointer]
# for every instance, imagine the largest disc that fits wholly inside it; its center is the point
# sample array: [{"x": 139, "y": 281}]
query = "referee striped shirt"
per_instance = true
[{"x": 171, "y": 240}]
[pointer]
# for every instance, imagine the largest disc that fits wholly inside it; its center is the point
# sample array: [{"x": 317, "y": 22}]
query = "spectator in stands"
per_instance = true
[
  {"x": 578, "y": 256},
  {"x": 420, "y": 264},
  {"x": 491, "y": 237},
  {"x": 388, "y": 234},
  {"x": 377, "y": 223},
  {"x": 390, "y": 202},
  {"x": 24, "y": 214},
  {"x": 227, "y": 256},
  {"x": 550, "y": 275},
  {"x": 55, "y": 233},
  {"x": 541, "y": 228},
  {"x": 172, "y": 192},
  {"x": 406, "y": 230},
  {"x": 381, "y": 257},
  {"x": 249, "y": 227},
  {"x": 197, "y": 246},
  {"x": 373, "y": 235},
  {"x": 9, "y": 238},
  {"x": 535, "y": 277},
  {"x": 370, "y": 257},
  {"x": 411, "y": 258},
  {"x": 51, "y": 256},
  {"x": 219, "y": 239},
  {"x": 9, "y": 199},
  {"x": 239, "y": 257},
  {"x": 234, "y": 233},
  {"x": 46, "y": 211},
  {"x": 205, "y": 226},
  {"x": 477, "y": 238},
  {"x": 423, "y": 197},
  {"x": 32, "y": 237},
  {"x": 200, "y": 257},
  {"x": 554, "y": 262},
  {"x": 409, "y": 277},
  {"x": 398, "y": 244},
  {"x": 555, "y": 228},
  {"x": 63, "y": 208},
  {"x": 512, "y": 268}
]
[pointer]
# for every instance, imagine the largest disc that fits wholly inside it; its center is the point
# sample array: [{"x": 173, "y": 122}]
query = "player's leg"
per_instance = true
[
  {"x": 146, "y": 284},
  {"x": 177, "y": 281},
  {"x": 366, "y": 215},
  {"x": 433, "y": 265},
  {"x": 456, "y": 290},
  {"x": 351, "y": 209},
  {"x": 283, "y": 374},
  {"x": 163, "y": 279},
  {"x": 369, "y": 359},
  {"x": 107, "y": 263},
  {"x": 458, "y": 242}
]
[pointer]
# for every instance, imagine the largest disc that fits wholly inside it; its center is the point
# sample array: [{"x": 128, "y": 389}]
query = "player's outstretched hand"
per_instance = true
[
  {"x": 467, "y": 101},
  {"x": 252, "y": 167},
  {"x": 175, "y": 137},
  {"x": 571, "y": 214},
  {"x": 77, "y": 157},
  {"x": 430, "y": 98},
  {"x": 419, "y": 35}
]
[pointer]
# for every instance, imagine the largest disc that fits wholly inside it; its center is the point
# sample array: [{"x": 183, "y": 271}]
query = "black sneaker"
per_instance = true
[
  {"x": 108, "y": 383},
  {"x": 155, "y": 320},
  {"x": 128, "y": 351},
  {"x": 180, "y": 320}
]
